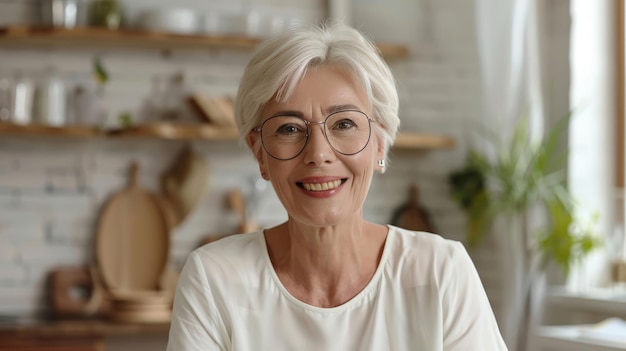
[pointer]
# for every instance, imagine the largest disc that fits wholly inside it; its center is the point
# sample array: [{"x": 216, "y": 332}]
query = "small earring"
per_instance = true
[{"x": 381, "y": 164}]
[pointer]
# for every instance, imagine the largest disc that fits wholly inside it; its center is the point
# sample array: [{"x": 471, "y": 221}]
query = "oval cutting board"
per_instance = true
[{"x": 132, "y": 244}]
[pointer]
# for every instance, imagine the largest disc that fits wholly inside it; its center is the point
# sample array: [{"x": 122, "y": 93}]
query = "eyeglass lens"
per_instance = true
[{"x": 284, "y": 137}]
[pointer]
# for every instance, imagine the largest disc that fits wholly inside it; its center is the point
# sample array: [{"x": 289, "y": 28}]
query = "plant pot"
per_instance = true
[
  {"x": 618, "y": 271},
  {"x": 106, "y": 13}
]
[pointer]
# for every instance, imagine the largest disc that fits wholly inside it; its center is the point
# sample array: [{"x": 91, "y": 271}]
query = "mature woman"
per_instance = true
[{"x": 318, "y": 108}]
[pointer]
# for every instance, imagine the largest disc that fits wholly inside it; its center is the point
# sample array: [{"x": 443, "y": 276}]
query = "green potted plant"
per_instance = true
[
  {"x": 522, "y": 185},
  {"x": 524, "y": 176}
]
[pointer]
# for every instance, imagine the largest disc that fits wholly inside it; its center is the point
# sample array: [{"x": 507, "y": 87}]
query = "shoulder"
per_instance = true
[
  {"x": 236, "y": 242},
  {"x": 235, "y": 252},
  {"x": 423, "y": 255},
  {"x": 431, "y": 245}
]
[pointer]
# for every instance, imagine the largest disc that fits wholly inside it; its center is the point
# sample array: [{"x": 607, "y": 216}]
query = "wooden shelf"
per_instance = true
[
  {"x": 173, "y": 131},
  {"x": 169, "y": 131},
  {"x": 45, "y": 130},
  {"x": 412, "y": 141},
  {"x": 89, "y": 37}
]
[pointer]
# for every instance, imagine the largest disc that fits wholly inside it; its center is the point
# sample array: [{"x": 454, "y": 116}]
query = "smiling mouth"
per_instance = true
[{"x": 322, "y": 186}]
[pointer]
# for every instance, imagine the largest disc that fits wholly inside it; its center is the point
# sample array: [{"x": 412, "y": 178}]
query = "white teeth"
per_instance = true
[{"x": 322, "y": 186}]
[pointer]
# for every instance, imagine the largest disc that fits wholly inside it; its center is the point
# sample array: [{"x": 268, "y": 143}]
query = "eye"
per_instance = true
[
  {"x": 344, "y": 124},
  {"x": 289, "y": 129}
]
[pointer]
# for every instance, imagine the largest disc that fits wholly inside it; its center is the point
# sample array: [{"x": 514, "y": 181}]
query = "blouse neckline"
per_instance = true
[{"x": 355, "y": 301}]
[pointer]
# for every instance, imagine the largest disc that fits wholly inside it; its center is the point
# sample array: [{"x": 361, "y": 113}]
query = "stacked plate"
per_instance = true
[{"x": 140, "y": 307}]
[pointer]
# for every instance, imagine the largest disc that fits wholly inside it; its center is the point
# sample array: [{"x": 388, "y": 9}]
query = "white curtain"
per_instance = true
[
  {"x": 509, "y": 55},
  {"x": 591, "y": 144},
  {"x": 511, "y": 72}
]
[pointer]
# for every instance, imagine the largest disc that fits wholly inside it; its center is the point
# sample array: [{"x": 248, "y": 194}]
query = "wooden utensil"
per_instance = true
[
  {"x": 169, "y": 213},
  {"x": 411, "y": 215},
  {"x": 184, "y": 183},
  {"x": 132, "y": 240},
  {"x": 236, "y": 202}
]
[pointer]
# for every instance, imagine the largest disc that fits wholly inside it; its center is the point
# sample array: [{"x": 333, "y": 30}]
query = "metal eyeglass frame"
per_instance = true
[{"x": 308, "y": 133}]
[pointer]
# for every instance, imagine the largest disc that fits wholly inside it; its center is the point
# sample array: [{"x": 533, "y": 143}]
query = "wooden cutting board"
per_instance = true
[{"x": 132, "y": 243}]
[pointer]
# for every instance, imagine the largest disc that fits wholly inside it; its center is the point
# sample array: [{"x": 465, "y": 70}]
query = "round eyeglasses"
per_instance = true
[{"x": 284, "y": 137}]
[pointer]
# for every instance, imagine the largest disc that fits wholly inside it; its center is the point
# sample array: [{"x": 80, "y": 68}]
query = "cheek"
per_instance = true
[
  {"x": 364, "y": 169},
  {"x": 276, "y": 171},
  {"x": 368, "y": 158}
]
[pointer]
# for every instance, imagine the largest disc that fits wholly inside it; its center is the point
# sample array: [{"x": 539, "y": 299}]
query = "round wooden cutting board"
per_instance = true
[{"x": 132, "y": 244}]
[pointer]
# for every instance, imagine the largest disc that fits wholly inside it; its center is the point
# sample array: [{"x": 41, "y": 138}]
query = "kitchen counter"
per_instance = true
[
  {"x": 30, "y": 327},
  {"x": 75, "y": 335}
]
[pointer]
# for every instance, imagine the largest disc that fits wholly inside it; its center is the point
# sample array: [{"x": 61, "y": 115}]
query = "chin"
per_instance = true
[{"x": 324, "y": 218}]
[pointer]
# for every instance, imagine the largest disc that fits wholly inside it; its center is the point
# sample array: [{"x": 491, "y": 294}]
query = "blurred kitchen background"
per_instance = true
[{"x": 96, "y": 92}]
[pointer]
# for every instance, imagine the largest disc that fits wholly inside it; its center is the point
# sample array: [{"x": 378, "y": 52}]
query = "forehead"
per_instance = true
[{"x": 322, "y": 89}]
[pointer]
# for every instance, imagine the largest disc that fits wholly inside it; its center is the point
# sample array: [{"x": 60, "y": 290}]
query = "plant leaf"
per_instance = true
[{"x": 100, "y": 73}]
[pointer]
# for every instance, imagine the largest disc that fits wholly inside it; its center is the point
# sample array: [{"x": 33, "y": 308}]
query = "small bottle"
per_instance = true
[
  {"x": 22, "y": 99},
  {"x": 83, "y": 106},
  {"x": 51, "y": 100},
  {"x": 6, "y": 98}
]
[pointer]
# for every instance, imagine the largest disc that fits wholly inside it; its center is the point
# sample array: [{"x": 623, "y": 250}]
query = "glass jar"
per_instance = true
[
  {"x": 22, "y": 108},
  {"x": 6, "y": 97},
  {"x": 50, "y": 99}
]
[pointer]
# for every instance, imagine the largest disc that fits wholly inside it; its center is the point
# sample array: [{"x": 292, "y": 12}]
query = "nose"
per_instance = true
[{"x": 317, "y": 149}]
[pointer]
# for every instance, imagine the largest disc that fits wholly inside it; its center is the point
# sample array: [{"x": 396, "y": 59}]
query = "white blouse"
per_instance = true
[{"x": 425, "y": 295}]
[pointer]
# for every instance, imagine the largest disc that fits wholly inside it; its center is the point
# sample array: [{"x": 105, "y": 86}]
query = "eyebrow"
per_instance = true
[
  {"x": 335, "y": 108},
  {"x": 329, "y": 110},
  {"x": 288, "y": 113}
]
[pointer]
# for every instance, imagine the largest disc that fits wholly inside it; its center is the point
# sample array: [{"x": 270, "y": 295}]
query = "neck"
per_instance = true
[{"x": 326, "y": 266}]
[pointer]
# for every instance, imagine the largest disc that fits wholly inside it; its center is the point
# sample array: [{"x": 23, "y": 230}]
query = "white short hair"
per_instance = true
[{"x": 280, "y": 62}]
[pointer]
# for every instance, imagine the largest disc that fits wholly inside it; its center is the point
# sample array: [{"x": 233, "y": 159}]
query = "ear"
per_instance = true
[
  {"x": 380, "y": 150},
  {"x": 255, "y": 145},
  {"x": 252, "y": 139}
]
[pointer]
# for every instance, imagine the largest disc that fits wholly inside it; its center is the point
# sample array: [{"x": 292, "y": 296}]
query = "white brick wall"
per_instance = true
[{"x": 51, "y": 189}]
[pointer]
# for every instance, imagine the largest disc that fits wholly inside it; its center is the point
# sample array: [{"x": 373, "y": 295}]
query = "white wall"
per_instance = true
[{"x": 51, "y": 189}]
